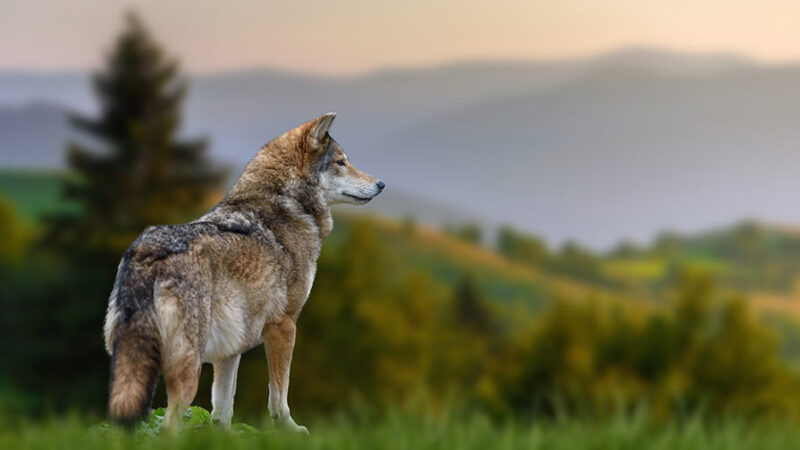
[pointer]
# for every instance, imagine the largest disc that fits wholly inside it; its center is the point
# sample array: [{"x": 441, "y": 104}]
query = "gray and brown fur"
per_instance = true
[{"x": 209, "y": 290}]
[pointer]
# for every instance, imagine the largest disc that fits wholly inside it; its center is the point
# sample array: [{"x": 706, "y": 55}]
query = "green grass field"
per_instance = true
[
  {"x": 35, "y": 193},
  {"x": 412, "y": 431}
]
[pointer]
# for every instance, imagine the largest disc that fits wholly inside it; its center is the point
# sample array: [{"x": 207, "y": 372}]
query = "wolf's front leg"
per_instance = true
[
  {"x": 224, "y": 389},
  {"x": 279, "y": 342}
]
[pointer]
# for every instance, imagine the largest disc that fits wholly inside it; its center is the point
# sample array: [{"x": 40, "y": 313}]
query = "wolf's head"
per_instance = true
[
  {"x": 303, "y": 160},
  {"x": 339, "y": 180}
]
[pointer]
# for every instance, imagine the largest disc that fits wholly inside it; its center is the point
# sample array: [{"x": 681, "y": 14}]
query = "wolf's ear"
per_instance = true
[{"x": 319, "y": 127}]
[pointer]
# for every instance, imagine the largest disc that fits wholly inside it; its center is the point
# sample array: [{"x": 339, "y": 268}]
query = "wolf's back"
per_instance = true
[{"x": 133, "y": 340}]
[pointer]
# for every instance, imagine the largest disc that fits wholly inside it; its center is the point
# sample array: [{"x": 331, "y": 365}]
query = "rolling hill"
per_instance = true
[
  {"x": 753, "y": 260},
  {"x": 758, "y": 260},
  {"x": 35, "y": 194}
]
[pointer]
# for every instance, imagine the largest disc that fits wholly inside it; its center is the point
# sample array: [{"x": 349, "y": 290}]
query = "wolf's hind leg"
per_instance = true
[
  {"x": 181, "y": 380},
  {"x": 279, "y": 342},
  {"x": 224, "y": 389}
]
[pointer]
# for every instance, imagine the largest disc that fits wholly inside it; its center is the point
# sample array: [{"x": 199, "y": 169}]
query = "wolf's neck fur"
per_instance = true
[{"x": 280, "y": 180}]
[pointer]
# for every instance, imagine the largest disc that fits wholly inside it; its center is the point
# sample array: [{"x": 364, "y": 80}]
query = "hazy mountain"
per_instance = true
[
  {"x": 20, "y": 88},
  {"x": 622, "y": 144},
  {"x": 619, "y": 152},
  {"x": 242, "y": 110},
  {"x": 32, "y": 135}
]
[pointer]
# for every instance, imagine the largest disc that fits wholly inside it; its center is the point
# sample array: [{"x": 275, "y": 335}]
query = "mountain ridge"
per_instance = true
[{"x": 614, "y": 146}]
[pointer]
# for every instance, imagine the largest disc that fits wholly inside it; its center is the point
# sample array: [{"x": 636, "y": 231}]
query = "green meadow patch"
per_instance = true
[
  {"x": 406, "y": 430},
  {"x": 35, "y": 193},
  {"x": 644, "y": 270}
]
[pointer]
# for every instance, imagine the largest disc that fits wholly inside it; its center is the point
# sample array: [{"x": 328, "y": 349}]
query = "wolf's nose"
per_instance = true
[{"x": 381, "y": 185}]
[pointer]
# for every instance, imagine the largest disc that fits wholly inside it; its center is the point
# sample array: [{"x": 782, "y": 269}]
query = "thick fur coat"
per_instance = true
[{"x": 209, "y": 290}]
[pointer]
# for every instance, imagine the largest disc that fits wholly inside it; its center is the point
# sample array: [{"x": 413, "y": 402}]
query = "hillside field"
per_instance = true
[
  {"x": 37, "y": 194},
  {"x": 765, "y": 270}
]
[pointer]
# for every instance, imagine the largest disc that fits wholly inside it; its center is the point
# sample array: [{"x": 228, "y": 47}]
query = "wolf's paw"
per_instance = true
[
  {"x": 288, "y": 424},
  {"x": 222, "y": 423}
]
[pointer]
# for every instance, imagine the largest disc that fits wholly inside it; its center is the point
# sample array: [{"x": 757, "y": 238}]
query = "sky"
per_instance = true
[{"x": 357, "y": 36}]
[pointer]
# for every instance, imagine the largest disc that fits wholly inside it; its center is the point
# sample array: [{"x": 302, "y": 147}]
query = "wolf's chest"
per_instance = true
[
  {"x": 240, "y": 308},
  {"x": 237, "y": 317}
]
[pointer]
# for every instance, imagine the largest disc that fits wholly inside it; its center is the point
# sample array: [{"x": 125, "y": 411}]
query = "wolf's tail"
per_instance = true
[{"x": 135, "y": 353}]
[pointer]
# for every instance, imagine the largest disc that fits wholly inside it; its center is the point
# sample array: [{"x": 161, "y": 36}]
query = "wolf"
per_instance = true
[{"x": 211, "y": 289}]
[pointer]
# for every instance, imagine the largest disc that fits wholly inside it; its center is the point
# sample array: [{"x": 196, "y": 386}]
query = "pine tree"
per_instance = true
[
  {"x": 132, "y": 169},
  {"x": 129, "y": 170}
]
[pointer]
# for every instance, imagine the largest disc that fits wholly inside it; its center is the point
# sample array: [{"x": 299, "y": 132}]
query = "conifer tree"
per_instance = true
[
  {"x": 129, "y": 169},
  {"x": 132, "y": 169}
]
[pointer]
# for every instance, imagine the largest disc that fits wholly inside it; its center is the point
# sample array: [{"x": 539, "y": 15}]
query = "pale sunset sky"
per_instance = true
[{"x": 356, "y": 36}]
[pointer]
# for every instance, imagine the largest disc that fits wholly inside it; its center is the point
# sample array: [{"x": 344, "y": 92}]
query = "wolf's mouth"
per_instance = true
[{"x": 360, "y": 199}]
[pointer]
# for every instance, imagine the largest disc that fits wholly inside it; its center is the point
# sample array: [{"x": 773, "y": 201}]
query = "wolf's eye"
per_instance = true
[{"x": 340, "y": 162}]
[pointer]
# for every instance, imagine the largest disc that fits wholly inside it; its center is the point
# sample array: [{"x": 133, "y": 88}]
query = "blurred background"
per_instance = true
[{"x": 591, "y": 206}]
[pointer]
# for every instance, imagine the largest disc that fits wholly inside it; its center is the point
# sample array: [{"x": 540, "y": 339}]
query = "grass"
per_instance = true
[
  {"x": 636, "y": 269},
  {"x": 35, "y": 193},
  {"x": 402, "y": 431}
]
